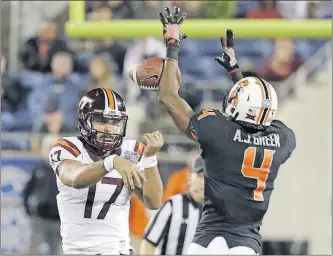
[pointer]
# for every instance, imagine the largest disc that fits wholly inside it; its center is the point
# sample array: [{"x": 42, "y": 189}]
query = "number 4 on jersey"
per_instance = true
[{"x": 260, "y": 174}]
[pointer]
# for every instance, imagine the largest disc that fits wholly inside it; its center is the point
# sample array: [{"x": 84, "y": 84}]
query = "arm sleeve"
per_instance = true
[
  {"x": 62, "y": 150},
  {"x": 291, "y": 143},
  {"x": 158, "y": 225}
]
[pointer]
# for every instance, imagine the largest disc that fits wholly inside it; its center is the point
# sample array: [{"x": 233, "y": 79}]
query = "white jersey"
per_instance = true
[{"x": 94, "y": 220}]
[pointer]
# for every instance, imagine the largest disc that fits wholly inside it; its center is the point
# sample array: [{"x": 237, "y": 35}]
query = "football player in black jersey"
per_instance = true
[{"x": 242, "y": 146}]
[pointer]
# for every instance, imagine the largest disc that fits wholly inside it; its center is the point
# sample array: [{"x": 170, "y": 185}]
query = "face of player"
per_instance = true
[
  {"x": 197, "y": 186},
  {"x": 107, "y": 128}
]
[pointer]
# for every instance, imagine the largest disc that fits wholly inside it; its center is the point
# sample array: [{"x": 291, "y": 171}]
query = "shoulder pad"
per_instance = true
[{"x": 68, "y": 145}]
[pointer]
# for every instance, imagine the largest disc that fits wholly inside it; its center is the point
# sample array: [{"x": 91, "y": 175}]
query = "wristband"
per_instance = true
[
  {"x": 172, "y": 51},
  {"x": 236, "y": 75},
  {"x": 108, "y": 163},
  {"x": 235, "y": 69},
  {"x": 149, "y": 162}
]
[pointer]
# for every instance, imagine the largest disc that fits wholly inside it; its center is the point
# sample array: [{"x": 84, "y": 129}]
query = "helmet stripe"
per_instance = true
[
  {"x": 106, "y": 101},
  {"x": 110, "y": 97},
  {"x": 263, "y": 98},
  {"x": 270, "y": 98},
  {"x": 266, "y": 109}
]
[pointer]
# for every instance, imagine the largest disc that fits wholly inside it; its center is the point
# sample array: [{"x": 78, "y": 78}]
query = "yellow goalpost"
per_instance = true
[{"x": 78, "y": 27}]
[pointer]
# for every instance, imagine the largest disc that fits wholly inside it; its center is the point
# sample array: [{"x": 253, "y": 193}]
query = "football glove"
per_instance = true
[
  {"x": 228, "y": 57},
  {"x": 171, "y": 23}
]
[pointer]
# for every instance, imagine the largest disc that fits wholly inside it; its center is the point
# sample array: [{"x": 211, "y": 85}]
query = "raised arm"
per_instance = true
[
  {"x": 179, "y": 110},
  {"x": 228, "y": 57},
  {"x": 168, "y": 96},
  {"x": 152, "y": 190}
]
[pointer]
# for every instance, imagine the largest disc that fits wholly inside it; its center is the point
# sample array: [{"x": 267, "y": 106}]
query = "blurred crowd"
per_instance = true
[
  {"x": 55, "y": 74},
  {"x": 56, "y": 71}
]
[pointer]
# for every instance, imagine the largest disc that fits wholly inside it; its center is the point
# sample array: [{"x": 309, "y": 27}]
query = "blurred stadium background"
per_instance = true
[{"x": 45, "y": 71}]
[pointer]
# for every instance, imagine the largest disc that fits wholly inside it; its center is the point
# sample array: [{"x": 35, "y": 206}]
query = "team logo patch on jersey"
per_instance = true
[{"x": 132, "y": 156}]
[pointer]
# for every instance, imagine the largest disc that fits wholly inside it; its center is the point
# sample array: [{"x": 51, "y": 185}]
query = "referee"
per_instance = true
[{"x": 171, "y": 229}]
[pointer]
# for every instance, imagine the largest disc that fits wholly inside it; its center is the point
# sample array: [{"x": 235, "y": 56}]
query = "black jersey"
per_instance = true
[{"x": 240, "y": 168}]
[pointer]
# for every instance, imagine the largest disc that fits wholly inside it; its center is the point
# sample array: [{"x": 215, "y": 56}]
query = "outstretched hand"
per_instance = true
[
  {"x": 171, "y": 23},
  {"x": 228, "y": 57}
]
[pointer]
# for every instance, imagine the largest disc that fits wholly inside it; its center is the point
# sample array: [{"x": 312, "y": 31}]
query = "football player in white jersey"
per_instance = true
[{"x": 97, "y": 173}]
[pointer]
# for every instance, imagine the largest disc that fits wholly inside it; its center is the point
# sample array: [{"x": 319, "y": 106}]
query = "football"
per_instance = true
[{"x": 148, "y": 73}]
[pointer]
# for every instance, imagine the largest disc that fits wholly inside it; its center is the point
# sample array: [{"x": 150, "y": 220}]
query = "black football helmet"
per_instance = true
[{"x": 102, "y": 119}]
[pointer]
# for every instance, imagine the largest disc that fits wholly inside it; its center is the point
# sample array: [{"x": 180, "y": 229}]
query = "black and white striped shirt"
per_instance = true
[{"x": 172, "y": 228}]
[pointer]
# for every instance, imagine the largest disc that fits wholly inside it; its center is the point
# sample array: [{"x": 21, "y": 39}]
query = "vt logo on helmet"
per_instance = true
[
  {"x": 251, "y": 102},
  {"x": 102, "y": 119}
]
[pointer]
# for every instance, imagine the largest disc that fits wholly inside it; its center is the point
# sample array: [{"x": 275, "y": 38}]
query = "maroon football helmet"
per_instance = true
[{"x": 102, "y": 119}]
